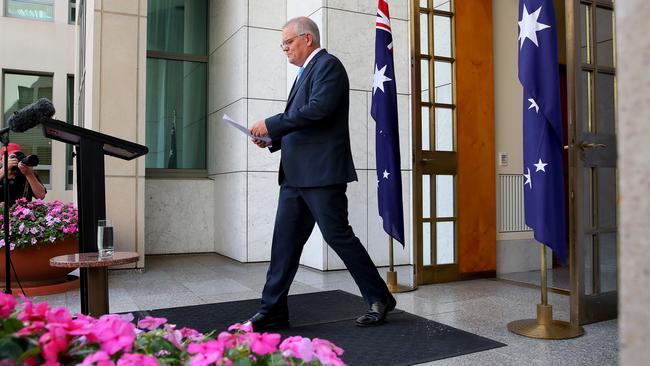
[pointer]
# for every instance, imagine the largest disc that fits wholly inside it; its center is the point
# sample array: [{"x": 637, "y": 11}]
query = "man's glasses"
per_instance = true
[{"x": 288, "y": 42}]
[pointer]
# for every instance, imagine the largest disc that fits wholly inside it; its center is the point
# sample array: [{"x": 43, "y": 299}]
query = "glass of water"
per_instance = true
[{"x": 105, "y": 238}]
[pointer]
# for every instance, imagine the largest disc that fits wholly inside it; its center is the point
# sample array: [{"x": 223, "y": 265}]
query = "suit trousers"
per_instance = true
[{"x": 298, "y": 210}]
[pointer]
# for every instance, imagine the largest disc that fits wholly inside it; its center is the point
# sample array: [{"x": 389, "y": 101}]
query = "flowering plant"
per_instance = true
[
  {"x": 37, "y": 221},
  {"x": 35, "y": 334}
]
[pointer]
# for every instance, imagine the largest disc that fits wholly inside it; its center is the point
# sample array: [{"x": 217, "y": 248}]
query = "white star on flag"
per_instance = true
[
  {"x": 379, "y": 79},
  {"x": 533, "y": 104},
  {"x": 528, "y": 26},
  {"x": 386, "y": 174},
  {"x": 528, "y": 181},
  {"x": 540, "y": 165}
]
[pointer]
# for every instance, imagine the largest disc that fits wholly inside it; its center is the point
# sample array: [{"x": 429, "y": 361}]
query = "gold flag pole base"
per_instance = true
[
  {"x": 544, "y": 327},
  {"x": 396, "y": 288},
  {"x": 391, "y": 278}
]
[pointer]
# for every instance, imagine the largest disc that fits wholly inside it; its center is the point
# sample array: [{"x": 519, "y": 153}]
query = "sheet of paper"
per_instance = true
[{"x": 243, "y": 129}]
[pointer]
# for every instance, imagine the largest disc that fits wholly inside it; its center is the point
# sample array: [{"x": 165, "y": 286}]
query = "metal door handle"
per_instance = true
[
  {"x": 591, "y": 145},
  {"x": 426, "y": 160}
]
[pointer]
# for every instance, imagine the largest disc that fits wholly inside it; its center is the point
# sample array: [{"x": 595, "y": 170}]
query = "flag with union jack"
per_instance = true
[{"x": 384, "y": 112}]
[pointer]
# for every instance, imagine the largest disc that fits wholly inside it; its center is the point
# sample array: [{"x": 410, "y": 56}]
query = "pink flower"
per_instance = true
[
  {"x": 206, "y": 353},
  {"x": 53, "y": 342},
  {"x": 113, "y": 334},
  {"x": 151, "y": 323},
  {"x": 246, "y": 327},
  {"x": 298, "y": 347},
  {"x": 327, "y": 352},
  {"x": 262, "y": 344},
  {"x": 191, "y": 334},
  {"x": 99, "y": 358},
  {"x": 7, "y": 305},
  {"x": 135, "y": 359}
]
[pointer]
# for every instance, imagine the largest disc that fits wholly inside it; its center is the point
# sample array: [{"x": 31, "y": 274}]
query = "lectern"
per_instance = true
[{"x": 90, "y": 148}]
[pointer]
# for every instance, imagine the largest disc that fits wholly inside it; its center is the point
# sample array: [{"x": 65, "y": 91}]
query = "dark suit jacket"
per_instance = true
[{"x": 313, "y": 131}]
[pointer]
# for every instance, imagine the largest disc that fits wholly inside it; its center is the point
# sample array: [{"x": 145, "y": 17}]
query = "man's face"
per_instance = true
[{"x": 296, "y": 46}]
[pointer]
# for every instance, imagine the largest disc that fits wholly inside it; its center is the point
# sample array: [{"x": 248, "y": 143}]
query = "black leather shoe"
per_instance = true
[
  {"x": 377, "y": 313},
  {"x": 261, "y": 322}
]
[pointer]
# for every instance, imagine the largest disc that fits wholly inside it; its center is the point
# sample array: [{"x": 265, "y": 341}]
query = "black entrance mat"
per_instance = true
[{"x": 405, "y": 339}]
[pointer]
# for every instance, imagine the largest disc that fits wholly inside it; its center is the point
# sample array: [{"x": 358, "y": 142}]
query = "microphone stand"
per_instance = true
[{"x": 4, "y": 137}]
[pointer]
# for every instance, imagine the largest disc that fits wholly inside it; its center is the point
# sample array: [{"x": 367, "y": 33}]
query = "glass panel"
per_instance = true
[
  {"x": 177, "y": 26},
  {"x": 606, "y": 197},
  {"x": 604, "y": 37},
  {"x": 588, "y": 261},
  {"x": 426, "y": 243},
  {"x": 424, "y": 33},
  {"x": 426, "y": 132},
  {"x": 176, "y": 114},
  {"x": 31, "y": 9},
  {"x": 424, "y": 3},
  {"x": 585, "y": 101},
  {"x": 444, "y": 196},
  {"x": 444, "y": 242},
  {"x": 424, "y": 80},
  {"x": 605, "y": 104},
  {"x": 21, "y": 91},
  {"x": 70, "y": 119},
  {"x": 607, "y": 256},
  {"x": 585, "y": 34},
  {"x": 444, "y": 129},
  {"x": 442, "y": 5},
  {"x": 442, "y": 80},
  {"x": 426, "y": 196},
  {"x": 442, "y": 36}
]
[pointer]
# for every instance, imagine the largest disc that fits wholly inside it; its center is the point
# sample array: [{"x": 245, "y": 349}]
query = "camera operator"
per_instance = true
[{"x": 23, "y": 182}]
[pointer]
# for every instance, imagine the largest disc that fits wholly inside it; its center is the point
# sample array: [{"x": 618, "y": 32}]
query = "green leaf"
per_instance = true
[
  {"x": 9, "y": 349},
  {"x": 243, "y": 362},
  {"x": 11, "y": 325}
]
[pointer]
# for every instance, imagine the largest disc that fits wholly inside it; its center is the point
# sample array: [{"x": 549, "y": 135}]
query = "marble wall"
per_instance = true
[
  {"x": 633, "y": 53},
  {"x": 250, "y": 79}
]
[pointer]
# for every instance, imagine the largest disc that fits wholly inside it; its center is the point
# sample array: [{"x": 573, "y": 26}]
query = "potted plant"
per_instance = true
[{"x": 39, "y": 231}]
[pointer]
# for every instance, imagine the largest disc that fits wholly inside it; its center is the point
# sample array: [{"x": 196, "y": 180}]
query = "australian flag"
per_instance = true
[
  {"x": 543, "y": 168},
  {"x": 384, "y": 112}
]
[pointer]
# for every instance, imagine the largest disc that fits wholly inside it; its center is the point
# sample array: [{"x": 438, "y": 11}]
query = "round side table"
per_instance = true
[{"x": 94, "y": 291}]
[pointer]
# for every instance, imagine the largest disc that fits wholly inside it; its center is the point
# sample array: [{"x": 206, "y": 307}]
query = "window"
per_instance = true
[
  {"x": 21, "y": 90},
  {"x": 176, "y": 84},
  {"x": 31, "y": 9},
  {"x": 69, "y": 106},
  {"x": 72, "y": 12}
]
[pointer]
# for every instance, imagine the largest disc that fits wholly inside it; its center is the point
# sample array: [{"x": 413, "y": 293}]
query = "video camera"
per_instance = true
[{"x": 29, "y": 160}]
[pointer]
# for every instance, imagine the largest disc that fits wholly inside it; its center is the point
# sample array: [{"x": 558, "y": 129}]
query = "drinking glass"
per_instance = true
[{"x": 105, "y": 238}]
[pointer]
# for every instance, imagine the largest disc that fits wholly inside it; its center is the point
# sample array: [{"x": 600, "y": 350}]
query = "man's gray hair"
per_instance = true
[{"x": 305, "y": 25}]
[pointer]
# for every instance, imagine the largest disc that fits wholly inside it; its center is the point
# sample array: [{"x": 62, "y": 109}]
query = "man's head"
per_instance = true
[
  {"x": 300, "y": 37},
  {"x": 12, "y": 150}
]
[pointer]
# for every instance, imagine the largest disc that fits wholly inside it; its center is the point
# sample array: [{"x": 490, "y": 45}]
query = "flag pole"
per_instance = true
[
  {"x": 544, "y": 327},
  {"x": 391, "y": 279}
]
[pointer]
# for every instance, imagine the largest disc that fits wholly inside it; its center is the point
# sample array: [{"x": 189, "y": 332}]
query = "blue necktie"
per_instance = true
[{"x": 300, "y": 70}]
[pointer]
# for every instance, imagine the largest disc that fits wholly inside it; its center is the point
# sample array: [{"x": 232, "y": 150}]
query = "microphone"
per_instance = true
[{"x": 30, "y": 116}]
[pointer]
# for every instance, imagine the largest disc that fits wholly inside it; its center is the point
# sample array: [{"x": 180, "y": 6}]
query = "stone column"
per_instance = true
[{"x": 633, "y": 47}]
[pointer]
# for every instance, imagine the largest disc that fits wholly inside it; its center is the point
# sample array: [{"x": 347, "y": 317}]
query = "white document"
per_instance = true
[{"x": 243, "y": 129}]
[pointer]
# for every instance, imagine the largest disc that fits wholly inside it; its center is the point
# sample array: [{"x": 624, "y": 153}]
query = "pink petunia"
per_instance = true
[
  {"x": 205, "y": 353},
  {"x": 135, "y": 359},
  {"x": 7, "y": 305},
  {"x": 99, "y": 358},
  {"x": 151, "y": 323},
  {"x": 298, "y": 347},
  {"x": 113, "y": 334},
  {"x": 246, "y": 327},
  {"x": 262, "y": 344}
]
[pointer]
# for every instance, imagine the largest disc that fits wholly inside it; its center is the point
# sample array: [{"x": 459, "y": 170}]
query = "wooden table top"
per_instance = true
[{"x": 86, "y": 260}]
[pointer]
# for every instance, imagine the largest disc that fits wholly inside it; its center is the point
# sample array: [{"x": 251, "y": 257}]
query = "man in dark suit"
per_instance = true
[{"x": 315, "y": 167}]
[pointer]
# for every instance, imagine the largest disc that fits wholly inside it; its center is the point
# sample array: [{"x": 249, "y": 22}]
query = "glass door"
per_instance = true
[
  {"x": 435, "y": 146},
  {"x": 593, "y": 172}
]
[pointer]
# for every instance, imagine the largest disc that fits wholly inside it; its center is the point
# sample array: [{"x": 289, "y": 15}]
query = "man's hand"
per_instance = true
[
  {"x": 259, "y": 129},
  {"x": 25, "y": 169},
  {"x": 261, "y": 143},
  {"x": 13, "y": 162}
]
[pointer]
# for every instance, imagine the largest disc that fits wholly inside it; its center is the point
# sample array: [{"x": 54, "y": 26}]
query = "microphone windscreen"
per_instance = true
[{"x": 30, "y": 116}]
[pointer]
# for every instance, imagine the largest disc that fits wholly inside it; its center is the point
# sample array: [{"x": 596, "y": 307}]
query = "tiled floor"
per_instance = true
[{"x": 483, "y": 307}]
